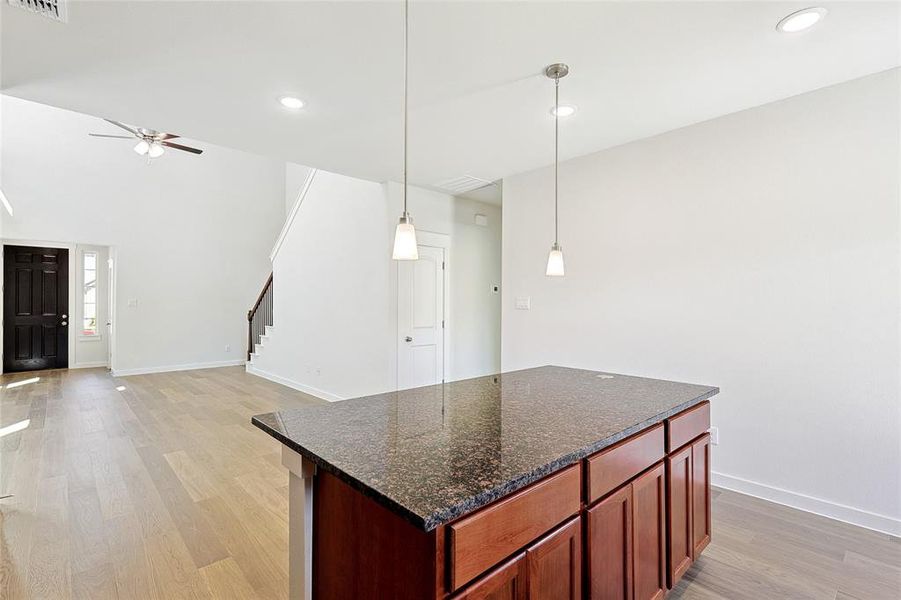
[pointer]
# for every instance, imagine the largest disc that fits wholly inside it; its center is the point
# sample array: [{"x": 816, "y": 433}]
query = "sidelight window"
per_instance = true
[{"x": 89, "y": 326}]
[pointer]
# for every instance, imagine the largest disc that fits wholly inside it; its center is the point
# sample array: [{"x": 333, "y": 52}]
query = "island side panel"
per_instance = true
[{"x": 364, "y": 550}]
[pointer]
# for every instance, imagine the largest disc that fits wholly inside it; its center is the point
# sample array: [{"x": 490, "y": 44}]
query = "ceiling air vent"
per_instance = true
[
  {"x": 52, "y": 9},
  {"x": 461, "y": 185}
]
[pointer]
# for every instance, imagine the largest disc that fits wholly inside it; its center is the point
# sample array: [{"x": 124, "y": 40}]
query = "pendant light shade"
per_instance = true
[
  {"x": 555, "y": 267},
  {"x": 405, "y": 247},
  {"x": 555, "y": 262}
]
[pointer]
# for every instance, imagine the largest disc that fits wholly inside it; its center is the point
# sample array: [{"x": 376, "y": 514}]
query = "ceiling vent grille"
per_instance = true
[
  {"x": 461, "y": 185},
  {"x": 52, "y": 9}
]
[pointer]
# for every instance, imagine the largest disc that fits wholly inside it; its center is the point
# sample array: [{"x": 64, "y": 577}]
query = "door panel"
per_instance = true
[
  {"x": 678, "y": 511},
  {"x": 36, "y": 308},
  {"x": 507, "y": 582},
  {"x": 420, "y": 319},
  {"x": 608, "y": 545},
  {"x": 555, "y": 564},
  {"x": 649, "y": 526},
  {"x": 700, "y": 494}
]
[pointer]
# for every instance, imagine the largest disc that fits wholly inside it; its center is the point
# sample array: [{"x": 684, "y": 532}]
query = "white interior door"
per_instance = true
[{"x": 420, "y": 319}]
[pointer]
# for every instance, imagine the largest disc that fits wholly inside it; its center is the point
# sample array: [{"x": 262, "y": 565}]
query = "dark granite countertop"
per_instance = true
[{"x": 435, "y": 453}]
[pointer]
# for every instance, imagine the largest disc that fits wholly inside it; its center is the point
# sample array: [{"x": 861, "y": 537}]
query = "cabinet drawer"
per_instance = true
[
  {"x": 687, "y": 425},
  {"x": 484, "y": 538},
  {"x": 616, "y": 465}
]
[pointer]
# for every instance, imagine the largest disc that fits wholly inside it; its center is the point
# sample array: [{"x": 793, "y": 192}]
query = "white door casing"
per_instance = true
[{"x": 421, "y": 319}]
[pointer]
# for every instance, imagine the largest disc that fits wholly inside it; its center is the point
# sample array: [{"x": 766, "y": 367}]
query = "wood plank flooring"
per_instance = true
[{"x": 164, "y": 490}]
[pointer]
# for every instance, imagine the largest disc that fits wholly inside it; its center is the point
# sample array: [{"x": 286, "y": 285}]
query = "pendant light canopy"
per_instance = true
[
  {"x": 555, "y": 267},
  {"x": 405, "y": 247}
]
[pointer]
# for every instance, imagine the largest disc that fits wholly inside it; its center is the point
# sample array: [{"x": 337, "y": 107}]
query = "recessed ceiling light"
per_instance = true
[
  {"x": 801, "y": 20},
  {"x": 291, "y": 102},
  {"x": 564, "y": 110}
]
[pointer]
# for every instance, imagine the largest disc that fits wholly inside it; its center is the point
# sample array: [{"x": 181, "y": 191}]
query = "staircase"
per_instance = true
[
  {"x": 254, "y": 357},
  {"x": 259, "y": 321}
]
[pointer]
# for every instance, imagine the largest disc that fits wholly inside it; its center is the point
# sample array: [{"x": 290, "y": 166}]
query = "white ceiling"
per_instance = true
[{"x": 213, "y": 71}]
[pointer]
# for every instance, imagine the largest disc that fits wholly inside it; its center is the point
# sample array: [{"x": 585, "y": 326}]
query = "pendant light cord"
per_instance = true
[
  {"x": 406, "y": 68},
  {"x": 556, "y": 148}
]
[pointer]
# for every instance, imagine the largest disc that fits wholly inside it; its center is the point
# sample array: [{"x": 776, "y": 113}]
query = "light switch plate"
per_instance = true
[
  {"x": 132, "y": 302},
  {"x": 523, "y": 303}
]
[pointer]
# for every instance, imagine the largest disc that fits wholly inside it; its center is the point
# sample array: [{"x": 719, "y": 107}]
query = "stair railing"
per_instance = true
[{"x": 259, "y": 316}]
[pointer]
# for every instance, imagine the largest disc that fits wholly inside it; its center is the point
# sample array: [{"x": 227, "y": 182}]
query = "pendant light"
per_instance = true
[
  {"x": 405, "y": 235},
  {"x": 555, "y": 257}
]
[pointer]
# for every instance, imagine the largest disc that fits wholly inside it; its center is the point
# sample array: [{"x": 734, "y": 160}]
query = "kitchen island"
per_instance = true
[{"x": 542, "y": 483}]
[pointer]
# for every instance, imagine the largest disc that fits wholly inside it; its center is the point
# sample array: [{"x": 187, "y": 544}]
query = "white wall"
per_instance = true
[
  {"x": 335, "y": 288},
  {"x": 192, "y": 234},
  {"x": 758, "y": 252}
]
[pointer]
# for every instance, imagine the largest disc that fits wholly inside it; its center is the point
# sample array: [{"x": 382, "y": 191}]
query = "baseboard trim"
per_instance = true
[
  {"x": 818, "y": 506},
  {"x": 296, "y": 385},
  {"x": 183, "y": 367},
  {"x": 89, "y": 365}
]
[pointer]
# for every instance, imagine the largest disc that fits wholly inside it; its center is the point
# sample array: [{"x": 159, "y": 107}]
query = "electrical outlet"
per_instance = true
[
  {"x": 714, "y": 436},
  {"x": 228, "y": 348}
]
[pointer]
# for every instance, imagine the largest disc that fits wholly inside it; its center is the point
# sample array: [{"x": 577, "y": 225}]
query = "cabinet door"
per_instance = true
[
  {"x": 555, "y": 564},
  {"x": 649, "y": 525},
  {"x": 700, "y": 494},
  {"x": 678, "y": 513},
  {"x": 507, "y": 582},
  {"x": 608, "y": 547}
]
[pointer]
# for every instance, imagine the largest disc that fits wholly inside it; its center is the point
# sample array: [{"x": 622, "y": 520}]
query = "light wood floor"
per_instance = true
[{"x": 164, "y": 490}]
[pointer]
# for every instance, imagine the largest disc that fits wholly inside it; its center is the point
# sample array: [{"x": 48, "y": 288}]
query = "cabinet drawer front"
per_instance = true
[
  {"x": 618, "y": 464},
  {"x": 687, "y": 425},
  {"x": 482, "y": 539}
]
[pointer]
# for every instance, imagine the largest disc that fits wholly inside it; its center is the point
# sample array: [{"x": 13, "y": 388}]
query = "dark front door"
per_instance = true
[{"x": 35, "y": 308}]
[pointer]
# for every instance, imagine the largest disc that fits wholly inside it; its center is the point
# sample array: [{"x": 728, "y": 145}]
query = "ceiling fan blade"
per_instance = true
[
  {"x": 123, "y": 126},
  {"x": 118, "y": 137},
  {"x": 180, "y": 147},
  {"x": 167, "y": 136}
]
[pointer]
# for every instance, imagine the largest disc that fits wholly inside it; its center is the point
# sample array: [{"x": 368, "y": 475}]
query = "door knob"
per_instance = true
[
  {"x": 63, "y": 324},
  {"x": 408, "y": 339},
  {"x": 63, "y": 316}
]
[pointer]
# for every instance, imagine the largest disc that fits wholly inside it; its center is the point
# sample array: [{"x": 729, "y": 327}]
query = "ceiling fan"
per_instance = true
[{"x": 151, "y": 143}]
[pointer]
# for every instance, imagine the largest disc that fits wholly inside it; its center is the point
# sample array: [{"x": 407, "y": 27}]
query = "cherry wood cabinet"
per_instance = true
[
  {"x": 700, "y": 494},
  {"x": 507, "y": 582},
  {"x": 555, "y": 564},
  {"x": 688, "y": 505},
  {"x": 625, "y": 541},
  {"x": 608, "y": 547},
  {"x": 567, "y": 536},
  {"x": 649, "y": 534},
  {"x": 480, "y": 540},
  {"x": 678, "y": 513}
]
